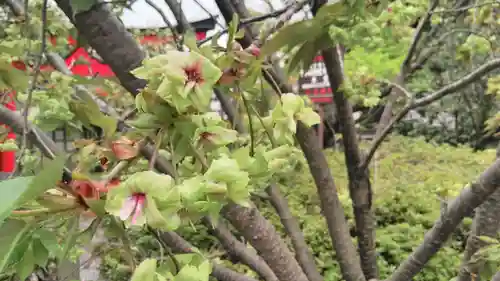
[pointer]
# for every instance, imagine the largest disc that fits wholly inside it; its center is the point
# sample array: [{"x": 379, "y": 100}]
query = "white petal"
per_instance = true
[{"x": 127, "y": 208}]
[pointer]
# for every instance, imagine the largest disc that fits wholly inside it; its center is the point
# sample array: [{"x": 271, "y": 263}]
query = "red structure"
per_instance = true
[
  {"x": 315, "y": 84},
  {"x": 91, "y": 67}
]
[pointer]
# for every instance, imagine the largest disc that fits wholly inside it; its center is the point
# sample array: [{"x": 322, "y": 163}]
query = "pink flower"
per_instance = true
[{"x": 133, "y": 207}]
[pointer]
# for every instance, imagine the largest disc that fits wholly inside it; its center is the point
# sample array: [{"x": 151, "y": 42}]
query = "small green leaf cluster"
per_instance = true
[
  {"x": 377, "y": 40},
  {"x": 51, "y": 108}
]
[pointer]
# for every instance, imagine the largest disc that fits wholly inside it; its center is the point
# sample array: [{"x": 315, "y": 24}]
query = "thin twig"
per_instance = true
[
  {"x": 245, "y": 22},
  {"x": 165, "y": 19},
  {"x": 284, "y": 17},
  {"x": 466, "y": 7},
  {"x": 152, "y": 161},
  {"x": 250, "y": 121},
  {"x": 166, "y": 248},
  {"x": 418, "y": 34},
  {"x": 33, "y": 82}
]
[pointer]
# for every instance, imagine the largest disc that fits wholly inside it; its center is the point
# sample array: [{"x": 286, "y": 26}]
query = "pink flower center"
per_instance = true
[
  {"x": 193, "y": 73},
  {"x": 133, "y": 206}
]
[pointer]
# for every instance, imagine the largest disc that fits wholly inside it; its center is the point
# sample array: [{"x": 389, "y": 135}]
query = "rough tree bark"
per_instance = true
[
  {"x": 292, "y": 228},
  {"x": 486, "y": 223},
  {"x": 237, "y": 249},
  {"x": 359, "y": 178},
  {"x": 330, "y": 203},
  {"x": 265, "y": 239}
]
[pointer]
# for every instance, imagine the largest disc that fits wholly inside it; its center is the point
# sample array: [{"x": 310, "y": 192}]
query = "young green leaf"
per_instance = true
[
  {"x": 145, "y": 271},
  {"x": 40, "y": 253},
  {"x": 12, "y": 232},
  {"x": 25, "y": 267},
  {"x": 12, "y": 190}
]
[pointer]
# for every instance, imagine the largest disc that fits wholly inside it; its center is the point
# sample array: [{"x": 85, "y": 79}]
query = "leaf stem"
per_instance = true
[
  {"x": 250, "y": 121},
  {"x": 41, "y": 211},
  {"x": 152, "y": 161}
]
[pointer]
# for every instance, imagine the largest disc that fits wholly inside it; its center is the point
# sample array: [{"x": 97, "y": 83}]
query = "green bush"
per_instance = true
[
  {"x": 407, "y": 177},
  {"x": 408, "y": 174}
]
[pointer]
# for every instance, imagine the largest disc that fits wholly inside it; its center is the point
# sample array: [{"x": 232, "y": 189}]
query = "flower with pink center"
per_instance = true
[
  {"x": 145, "y": 198},
  {"x": 133, "y": 207}
]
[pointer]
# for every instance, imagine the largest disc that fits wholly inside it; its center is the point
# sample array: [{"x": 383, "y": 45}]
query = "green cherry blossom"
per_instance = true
[{"x": 146, "y": 198}]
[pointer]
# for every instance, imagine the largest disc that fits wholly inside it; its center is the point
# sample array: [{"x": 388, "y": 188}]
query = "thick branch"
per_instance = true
[
  {"x": 330, "y": 203},
  {"x": 107, "y": 35},
  {"x": 239, "y": 250},
  {"x": 182, "y": 22},
  {"x": 292, "y": 228},
  {"x": 359, "y": 180},
  {"x": 470, "y": 198},
  {"x": 486, "y": 223},
  {"x": 496, "y": 277},
  {"x": 265, "y": 239}
]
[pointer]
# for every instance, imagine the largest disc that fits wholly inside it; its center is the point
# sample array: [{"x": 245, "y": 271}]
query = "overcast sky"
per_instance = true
[{"x": 144, "y": 16}]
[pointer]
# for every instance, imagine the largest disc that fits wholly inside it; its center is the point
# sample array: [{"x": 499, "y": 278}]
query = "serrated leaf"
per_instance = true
[
  {"x": 488, "y": 239},
  {"x": 88, "y": 112},
  {"x": 330, "y": 11},
  {"x": 190, "y": 41}
]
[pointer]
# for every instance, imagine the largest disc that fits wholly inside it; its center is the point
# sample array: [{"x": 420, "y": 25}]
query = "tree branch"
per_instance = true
[
  {"x": 263, "y": 237},
  {"x": 239, "y": 250},
  {"x": 251, "y": 20},
  {"x": 470, "y": 198},
  {"x": 292, "y": 228},
  {"x": 359, "y": 180},
  {"x": 486, "y": 223},
  {"x": 404, "y": 70},
  {"x": 448, "y": 89},
  {"x": 114, "y": 44}
]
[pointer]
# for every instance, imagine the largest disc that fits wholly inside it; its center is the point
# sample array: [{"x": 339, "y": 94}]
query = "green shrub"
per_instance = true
[{"x": 407, "y": 177}]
